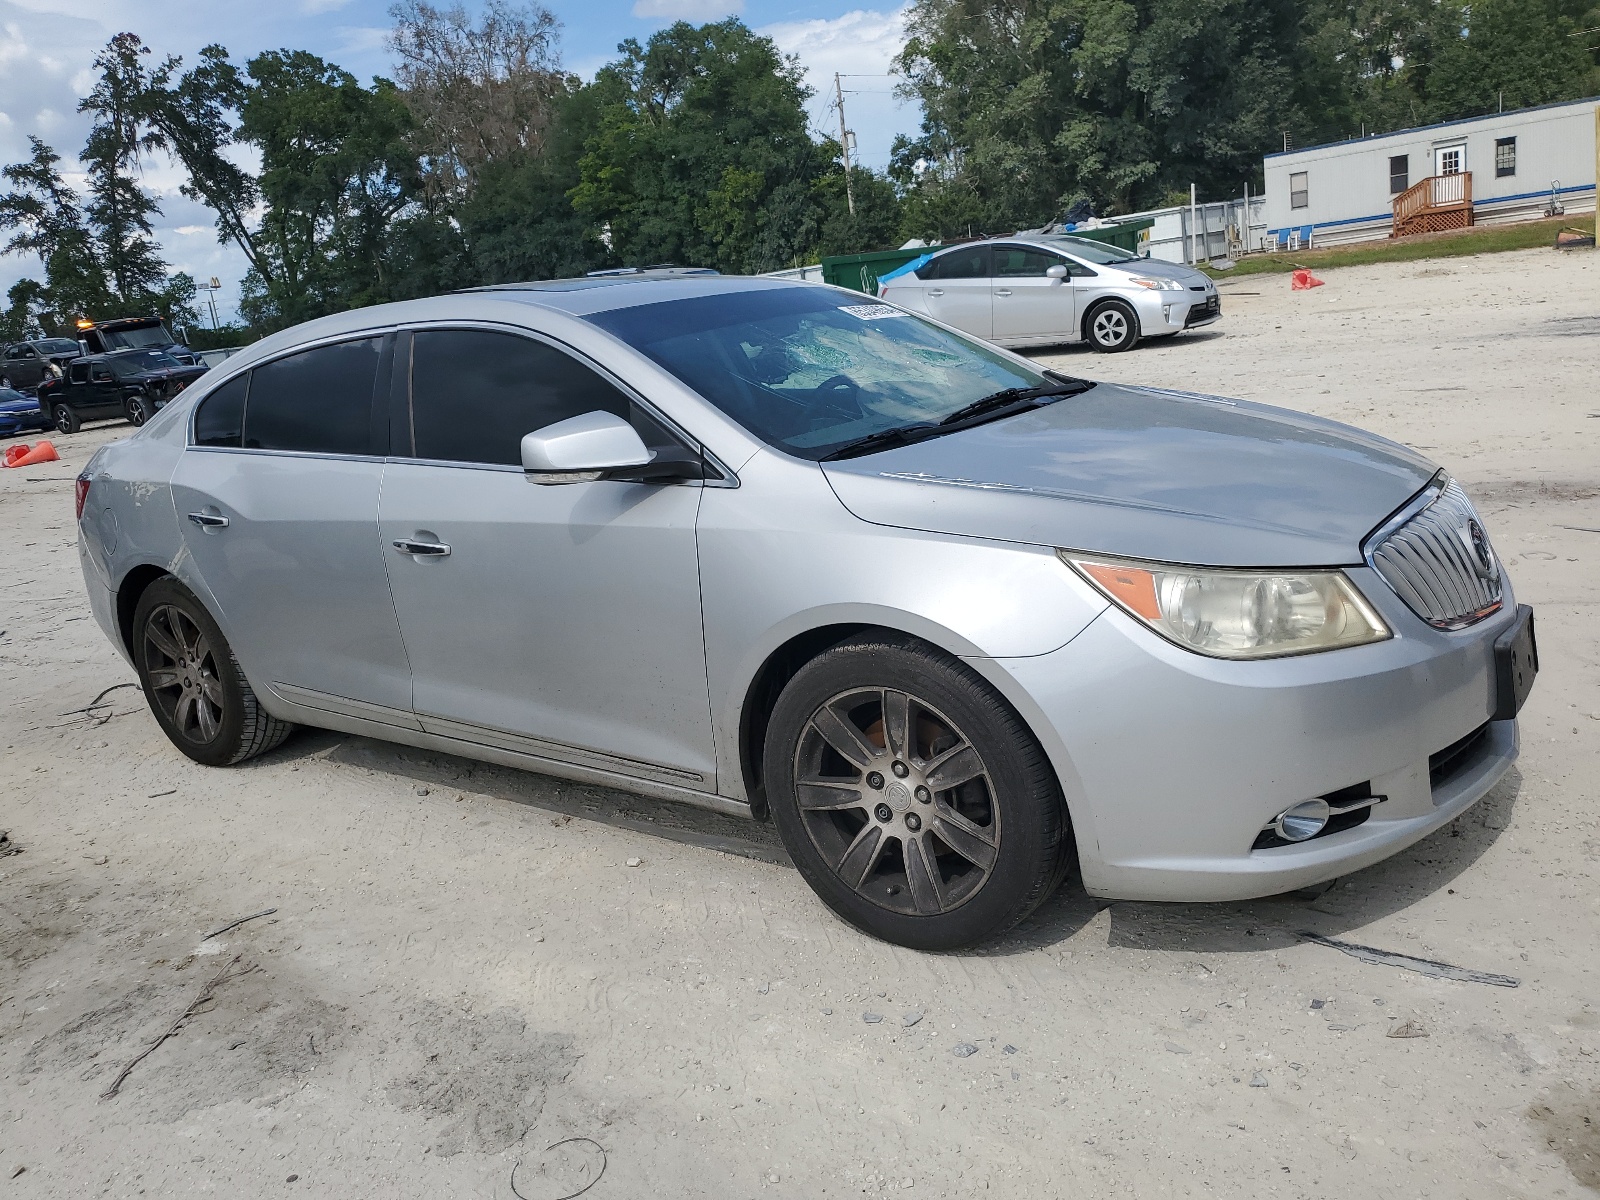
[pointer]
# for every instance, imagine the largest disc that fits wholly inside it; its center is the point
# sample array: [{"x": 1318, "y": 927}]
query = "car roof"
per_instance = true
[{"x": 591, "y": 294}]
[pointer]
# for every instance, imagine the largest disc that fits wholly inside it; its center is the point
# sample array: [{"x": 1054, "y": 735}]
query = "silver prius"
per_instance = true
[
  {"x": 1047, "y": 289},
  {"x": 953, "y": 622}
]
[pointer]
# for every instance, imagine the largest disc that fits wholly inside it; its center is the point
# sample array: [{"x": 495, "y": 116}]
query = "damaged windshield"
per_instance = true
[{"x": 808, "y": 370}]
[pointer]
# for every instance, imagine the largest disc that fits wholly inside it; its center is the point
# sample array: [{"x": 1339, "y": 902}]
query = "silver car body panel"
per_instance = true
[
  {"x": 1146, "y": 473},
  {"x": 1020, "y": 311},
  {"x": 1170, "y": 762}
]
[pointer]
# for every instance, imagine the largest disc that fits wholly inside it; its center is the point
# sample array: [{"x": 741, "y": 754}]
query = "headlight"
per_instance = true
[
  {"x": 1157, "y": 285},
  {"x": 1237, "y": 614}
]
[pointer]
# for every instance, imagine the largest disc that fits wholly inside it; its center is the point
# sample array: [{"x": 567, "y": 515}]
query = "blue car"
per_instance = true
[{"x": 19, "y": 413}]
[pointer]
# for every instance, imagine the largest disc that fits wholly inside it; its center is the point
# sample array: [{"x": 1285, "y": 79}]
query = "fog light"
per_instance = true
[
  {"x": 1166, "y": 313},
  {"x": 1304, "y": 820}
]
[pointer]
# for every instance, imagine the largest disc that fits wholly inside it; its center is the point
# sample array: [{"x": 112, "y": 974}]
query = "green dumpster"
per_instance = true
[
  {"x": 860, "y": 272},
  {"x": 1124, "y": 235}
]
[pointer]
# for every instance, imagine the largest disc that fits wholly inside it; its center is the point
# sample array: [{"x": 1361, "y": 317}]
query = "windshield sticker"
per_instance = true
[{"x": 871, "y": 312}]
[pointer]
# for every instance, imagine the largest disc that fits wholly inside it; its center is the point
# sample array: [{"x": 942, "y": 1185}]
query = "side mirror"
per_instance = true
[
  {"x": 1058, "y": 271},
  {"x": 599, "y": 445}
]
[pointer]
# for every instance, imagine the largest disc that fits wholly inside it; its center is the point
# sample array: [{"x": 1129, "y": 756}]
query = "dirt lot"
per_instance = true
[{"x": 468, "y": 964}]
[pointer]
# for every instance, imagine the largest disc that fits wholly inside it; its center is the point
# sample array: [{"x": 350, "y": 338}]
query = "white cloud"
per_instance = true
[
  {"x": 686, "y": 10},
  {"x": 317, "y": 7},
  {"x": 862, "y": 45},
  {"x": 193, "y": 230},
  {"x": 362, "y": 39}
]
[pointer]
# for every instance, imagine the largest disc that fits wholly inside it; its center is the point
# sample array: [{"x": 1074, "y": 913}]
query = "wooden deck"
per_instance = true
[{"x": 1434, "y": 205}]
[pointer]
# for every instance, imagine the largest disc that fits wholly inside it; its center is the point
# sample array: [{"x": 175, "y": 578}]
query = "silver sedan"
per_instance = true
[
  {"x": 955, "y": 624},
  {"x": 1047, "y": 289}
]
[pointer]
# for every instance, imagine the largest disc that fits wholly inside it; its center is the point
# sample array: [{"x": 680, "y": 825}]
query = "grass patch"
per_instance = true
[{"x": 1484, "y": 239}]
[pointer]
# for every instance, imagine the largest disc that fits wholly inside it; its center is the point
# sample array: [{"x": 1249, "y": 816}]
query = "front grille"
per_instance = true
[
  {"x": 1444, "y": 765},
  {"x": 1440, "y": 562}
]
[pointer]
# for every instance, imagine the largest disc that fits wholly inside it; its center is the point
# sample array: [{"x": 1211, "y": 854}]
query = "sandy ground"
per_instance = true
[{"x": 463, "y": 969}]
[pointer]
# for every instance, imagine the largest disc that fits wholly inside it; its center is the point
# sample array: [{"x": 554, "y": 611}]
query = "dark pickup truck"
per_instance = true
[{"x": 130, "y": 383}]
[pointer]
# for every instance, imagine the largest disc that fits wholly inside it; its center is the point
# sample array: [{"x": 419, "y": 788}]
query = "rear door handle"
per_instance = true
[
  {"x": 410, "y": 546},
  {"x": 209, "y": 520}
]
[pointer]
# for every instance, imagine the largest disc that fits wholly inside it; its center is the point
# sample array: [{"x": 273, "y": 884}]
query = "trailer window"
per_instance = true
[
  {"x": 1399, "y": 173},
  {"x": 1505, "y": 157},
  {"x": 1299, "y": 190}
]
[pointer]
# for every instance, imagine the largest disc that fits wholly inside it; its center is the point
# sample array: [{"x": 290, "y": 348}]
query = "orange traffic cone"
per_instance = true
[{"x": 25, "y": 456}]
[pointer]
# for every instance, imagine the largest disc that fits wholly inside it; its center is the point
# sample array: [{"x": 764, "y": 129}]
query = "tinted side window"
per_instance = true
[
  {"x": 970, "y": 262},
  {"x": 220, "y": 421},
  {"x": 1018, "y": 262},
  {"x": 318, "y": 400},
  {"x": 78, "y": 372},
  {"x": 475, "y": 394}
]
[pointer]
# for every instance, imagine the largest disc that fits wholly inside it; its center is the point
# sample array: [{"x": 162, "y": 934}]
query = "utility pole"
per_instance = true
[
  {"x": 211, "y": 295},
  {"x": 844, "y": 144}
]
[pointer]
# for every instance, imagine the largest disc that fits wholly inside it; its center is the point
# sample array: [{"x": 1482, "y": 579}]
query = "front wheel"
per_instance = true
[
  {"x": 911, "y": 797},
  {"x": 193, "y": 683},
  {"x": 1112, "y": 327}
]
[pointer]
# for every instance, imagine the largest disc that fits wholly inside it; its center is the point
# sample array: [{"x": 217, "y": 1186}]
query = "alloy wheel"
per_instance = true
[
  {"x": 1110, "y": 327},
  {"x": 182, "y": 671},
  {"x": 897, "y": 801}
]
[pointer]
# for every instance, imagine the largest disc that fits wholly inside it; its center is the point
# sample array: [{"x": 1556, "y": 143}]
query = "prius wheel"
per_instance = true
[
  {"x": 1112, "y": 327},
  {"x": 911, "y": 797},
  {"x": 193, "y": 683}
]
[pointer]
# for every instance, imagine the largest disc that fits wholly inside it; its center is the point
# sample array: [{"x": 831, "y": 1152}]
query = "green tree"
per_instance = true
[
  {"x": 45, "y": 218},
  {"x": 118, "y": 209},
  {"x": 701, "y": 154},
  {"x": 1515, "y": 54}
]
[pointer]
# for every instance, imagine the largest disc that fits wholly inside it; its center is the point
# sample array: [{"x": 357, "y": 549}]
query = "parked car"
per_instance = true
[
  {"x": 951, "y": 621},
  {"x": 20, "y": 413},
  {"x": 132, "y": 384},
  {"x": 28, "y": 364},
  {"x": 1047, "y": 289}
]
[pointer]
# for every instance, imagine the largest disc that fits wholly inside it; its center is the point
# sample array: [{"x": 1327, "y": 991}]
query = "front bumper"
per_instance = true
[
  {"x": 1173, "y": 763},
  {"x": 1172, "y": 312}
]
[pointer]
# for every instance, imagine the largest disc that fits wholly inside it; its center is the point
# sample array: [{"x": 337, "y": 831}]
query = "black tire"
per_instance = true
[
  {"x": 225, "y": 724},
  {"x": 66, "y": 420},
  {"x": 1111, "y": 327},
  {"x": 1009, "y": 814},
  {"x": 5, "y": 382},
  {"x": 134, "y": 409}
]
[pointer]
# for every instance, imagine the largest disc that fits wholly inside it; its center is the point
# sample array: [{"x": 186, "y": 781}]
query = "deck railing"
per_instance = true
[{"x": 1438, "y": 202}]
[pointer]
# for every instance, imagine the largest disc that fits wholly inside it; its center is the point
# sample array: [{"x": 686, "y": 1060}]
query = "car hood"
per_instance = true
[
  {"x": 1157, "y": 268},
  {"x": 15, "y": 403},
  {"x": 1146, "y": 473}
]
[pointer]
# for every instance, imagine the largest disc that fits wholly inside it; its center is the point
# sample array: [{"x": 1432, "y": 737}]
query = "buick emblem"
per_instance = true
[{"x": 1480, "y": 550}]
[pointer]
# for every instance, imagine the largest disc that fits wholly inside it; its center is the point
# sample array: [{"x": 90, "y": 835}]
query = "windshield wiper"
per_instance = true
[
  {"x": 1018, "y": 398},
  {"x": 884, "y": 439}
]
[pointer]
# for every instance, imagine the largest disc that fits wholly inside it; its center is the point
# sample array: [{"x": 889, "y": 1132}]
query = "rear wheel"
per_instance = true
[
  {"x": 65, "y": 419},
  {"x": 193, "y": 683},
  {"x": 911, "y": 797},
  {"x": 134, "y": 407},
  {"x": 1112, "y": 327}
]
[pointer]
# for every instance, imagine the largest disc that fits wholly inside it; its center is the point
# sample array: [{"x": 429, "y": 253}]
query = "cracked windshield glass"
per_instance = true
[{"x": 808, "y": 371}]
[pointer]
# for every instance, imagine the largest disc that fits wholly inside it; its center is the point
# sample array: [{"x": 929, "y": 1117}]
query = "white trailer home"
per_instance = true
[{"x": 1507, "y": 167}]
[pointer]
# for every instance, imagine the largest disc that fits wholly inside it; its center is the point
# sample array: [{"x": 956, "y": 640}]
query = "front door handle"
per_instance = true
[
  {"x": 935, "y": 291},
  {"x": 209, "y": 520},
  {"x": 411, "y": 546},
  {"x": 1002, "y": 291}
]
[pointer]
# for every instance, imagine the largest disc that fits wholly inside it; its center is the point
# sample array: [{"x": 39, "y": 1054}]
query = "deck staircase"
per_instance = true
[{"x": 1437, "y": 203}]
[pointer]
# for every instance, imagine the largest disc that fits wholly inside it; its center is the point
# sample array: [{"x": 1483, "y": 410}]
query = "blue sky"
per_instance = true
[{"x": 46, "y": 47}]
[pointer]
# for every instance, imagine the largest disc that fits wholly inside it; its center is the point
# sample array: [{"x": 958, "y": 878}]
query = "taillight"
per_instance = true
[{"x": 82, "y": 493}]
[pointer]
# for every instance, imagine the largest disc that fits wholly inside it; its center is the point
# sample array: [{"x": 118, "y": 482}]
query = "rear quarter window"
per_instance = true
[{"x": 220, "y": 420}]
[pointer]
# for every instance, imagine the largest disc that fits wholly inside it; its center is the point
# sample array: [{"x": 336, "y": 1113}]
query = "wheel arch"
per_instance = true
[
  {"x": 1102, "y": 302},
  {"x": 133, "y": 585},
  {"x": 783, "y": 662}
]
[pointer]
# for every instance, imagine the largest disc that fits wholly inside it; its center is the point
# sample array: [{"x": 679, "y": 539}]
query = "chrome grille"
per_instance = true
[{"x": 1438, "y": 559}]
